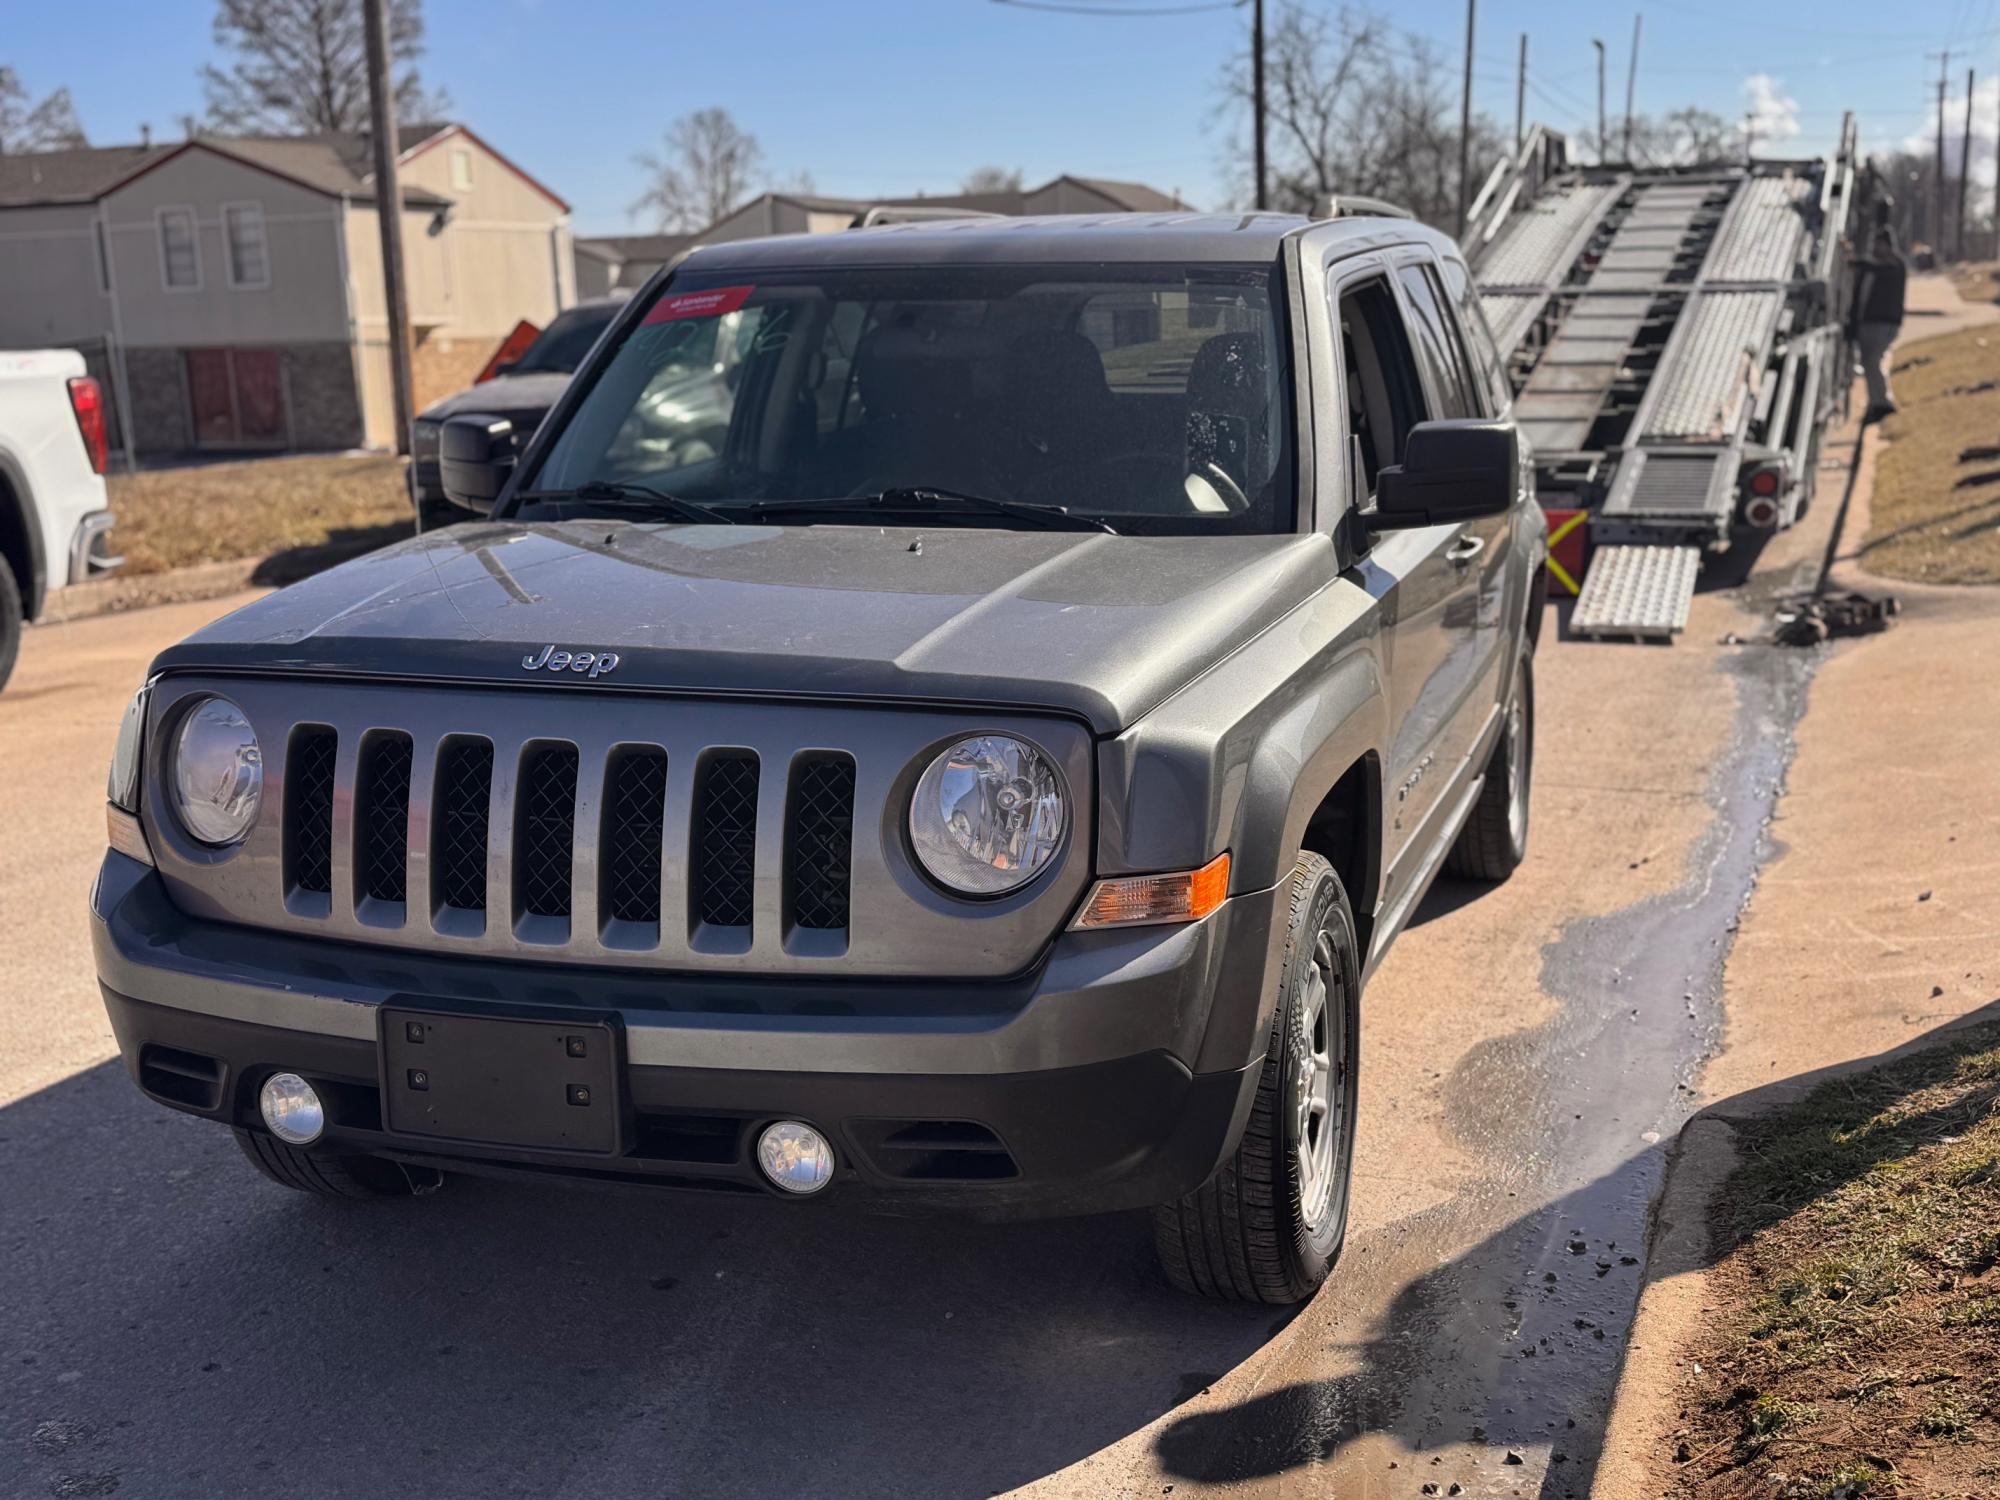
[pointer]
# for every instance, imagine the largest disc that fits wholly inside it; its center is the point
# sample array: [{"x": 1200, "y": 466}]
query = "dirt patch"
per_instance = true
[
  {"x": 1935, "y": 512},
  {"x": 1977, "y": 281},
  {"x": 1852, "y": 1342},
  {"x": 175, "y": 518}
]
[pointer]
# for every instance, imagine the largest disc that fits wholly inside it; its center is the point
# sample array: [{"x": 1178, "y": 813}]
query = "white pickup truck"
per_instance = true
[{"x": 53, "y": 516}]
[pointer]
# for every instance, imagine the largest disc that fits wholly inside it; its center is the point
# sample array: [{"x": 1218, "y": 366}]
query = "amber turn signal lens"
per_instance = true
[{"x": 1135, "y": 900}]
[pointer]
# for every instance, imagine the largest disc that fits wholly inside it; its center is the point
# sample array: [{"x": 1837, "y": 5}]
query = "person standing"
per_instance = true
[{"x": 1876, "y": 318}]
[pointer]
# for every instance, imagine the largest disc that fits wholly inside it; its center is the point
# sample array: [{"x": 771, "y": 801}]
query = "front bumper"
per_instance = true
[{"x": 1117, "y": 1075}]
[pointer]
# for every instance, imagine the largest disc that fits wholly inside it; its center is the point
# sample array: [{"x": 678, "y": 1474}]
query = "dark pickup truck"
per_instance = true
[{"x": 980, "y": 777}]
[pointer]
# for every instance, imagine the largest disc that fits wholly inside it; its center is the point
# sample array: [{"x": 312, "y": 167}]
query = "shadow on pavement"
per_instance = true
[
  {"x": 171, "y": 1323},
  {"x": 1485, "y": 1343}
]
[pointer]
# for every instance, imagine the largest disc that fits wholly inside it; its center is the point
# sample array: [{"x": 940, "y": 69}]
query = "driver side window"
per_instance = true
[{"x": 1385, "y": 399}]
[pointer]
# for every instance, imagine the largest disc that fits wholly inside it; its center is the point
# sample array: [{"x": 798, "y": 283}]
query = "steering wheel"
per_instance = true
[{"x": 1223, "y": 485}]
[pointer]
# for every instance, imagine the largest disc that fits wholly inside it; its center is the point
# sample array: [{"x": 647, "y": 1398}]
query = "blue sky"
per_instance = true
[{"x": 900, "y": 96}]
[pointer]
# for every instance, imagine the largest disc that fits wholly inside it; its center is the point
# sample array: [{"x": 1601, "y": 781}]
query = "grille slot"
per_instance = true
[
  {"x": 383, "y": 816},
  {"x": 309, "y": 809},
  {"x": 464, "y": 803},
  {"x": 545, "y": 832},
  {"x": 820, "y": 846},
  {"x": 935, "y": 1150},
  {"x": 635, "y": 822},
  {"x": 725, "y": 839},
  {"x": 190, "y": 1078}
]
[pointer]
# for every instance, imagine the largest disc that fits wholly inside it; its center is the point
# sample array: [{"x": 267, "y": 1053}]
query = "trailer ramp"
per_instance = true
[{"x": 1636, "y": 592}]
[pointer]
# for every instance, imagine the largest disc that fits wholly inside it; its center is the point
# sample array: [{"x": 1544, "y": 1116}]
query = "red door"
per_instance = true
[
  {"x": 209, "y": 400},
  {"x": 236, "y": 398}
]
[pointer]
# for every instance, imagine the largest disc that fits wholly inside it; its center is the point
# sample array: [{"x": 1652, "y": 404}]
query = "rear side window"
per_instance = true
[
  {"x": 1436, "y": 346},
  {"x": 1486, "y": 361}
]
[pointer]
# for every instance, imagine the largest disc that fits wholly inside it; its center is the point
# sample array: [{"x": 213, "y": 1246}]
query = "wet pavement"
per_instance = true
[{"x": 169, "y": 1323}]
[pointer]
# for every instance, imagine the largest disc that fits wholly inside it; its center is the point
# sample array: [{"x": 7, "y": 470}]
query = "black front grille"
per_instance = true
[
  {"x": 383, "y": 812},
  {"x": 725, "y": 840},
  {"x": 635, "y": 821},
  {"x": 464, "y": 809},
  {"x": 309, "y": 809},
  {"x": 545, "y": 831},
  {"x": 821, "y": 841}
]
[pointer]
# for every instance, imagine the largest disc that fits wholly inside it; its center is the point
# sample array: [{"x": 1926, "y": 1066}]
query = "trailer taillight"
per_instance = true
[
  {"x": 86, "y": 399},
  {"x": 1766, "y": 482}
]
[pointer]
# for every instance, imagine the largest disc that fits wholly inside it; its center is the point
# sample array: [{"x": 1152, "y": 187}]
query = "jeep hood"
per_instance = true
[{"x": 1103, "y": 627}]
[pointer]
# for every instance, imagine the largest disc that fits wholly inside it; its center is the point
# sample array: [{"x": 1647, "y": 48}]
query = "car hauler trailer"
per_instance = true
[{"x": 1676, "y": 341}]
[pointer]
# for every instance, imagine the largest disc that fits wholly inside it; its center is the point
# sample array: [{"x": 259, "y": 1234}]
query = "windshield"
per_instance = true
[
  {"x": 1151, "y": 397},
  {"x": 560, "y": 347}
]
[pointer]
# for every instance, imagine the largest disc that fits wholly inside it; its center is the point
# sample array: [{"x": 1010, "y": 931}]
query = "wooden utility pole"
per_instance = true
[
  {"x": 1257, "y": 90},
  {"x": 1465, "y": 123},
  {"x": 1600, "y": 99},
  {"x": 1632, "y": 84},
  {"x": 1937, "y": 194},
  {"x": 1749, "y": 136},
  {"x": 389, "y": 211},
  {"x": 1964, "y": 170},
  {"x": 1521, "y": 97}
]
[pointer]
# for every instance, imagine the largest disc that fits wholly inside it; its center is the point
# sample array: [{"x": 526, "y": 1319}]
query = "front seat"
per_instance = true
[{"x": 1058, "y": 406}]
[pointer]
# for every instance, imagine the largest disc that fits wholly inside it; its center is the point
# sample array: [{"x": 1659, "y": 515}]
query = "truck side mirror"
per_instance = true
[
  {"x": 1451, "y": 471},
  {"x": 475, "y": 460}
]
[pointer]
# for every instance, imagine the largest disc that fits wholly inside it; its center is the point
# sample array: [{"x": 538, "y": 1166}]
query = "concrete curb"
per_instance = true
[
  {"x": 213, "y": 580},
  {"x": 1645, "y": 1407},
  {"x": 176, "y": 586}
]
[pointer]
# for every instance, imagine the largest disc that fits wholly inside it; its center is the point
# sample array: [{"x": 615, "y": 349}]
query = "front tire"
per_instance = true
[
  {"x": 1494, "y": 840},
  {"x": 326, "y": 1175},
  {"x": 12, "y": 618},
  {"x": 1270, "y": 1224}
]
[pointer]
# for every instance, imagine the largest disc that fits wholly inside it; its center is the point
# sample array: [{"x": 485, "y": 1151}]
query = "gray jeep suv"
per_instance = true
[{"x": 983, "y": 779}]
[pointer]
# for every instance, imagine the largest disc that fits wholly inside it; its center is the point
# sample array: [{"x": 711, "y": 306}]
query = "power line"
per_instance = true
[{"x": 1077, "y": 9}]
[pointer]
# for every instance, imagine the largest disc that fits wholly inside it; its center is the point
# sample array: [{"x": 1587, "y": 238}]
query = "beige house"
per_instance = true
[
  {"x": 607, "y": 263},
  {"x": 230, "y": 289}
]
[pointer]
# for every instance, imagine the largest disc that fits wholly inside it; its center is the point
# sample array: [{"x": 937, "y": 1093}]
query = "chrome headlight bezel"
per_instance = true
[
  {"x": 215, "y": 804},
  {"x": 1014, "y": 779}
]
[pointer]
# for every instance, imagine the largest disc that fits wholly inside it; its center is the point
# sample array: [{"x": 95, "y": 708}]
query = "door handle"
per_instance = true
[{"x": 1465, "y": 549}]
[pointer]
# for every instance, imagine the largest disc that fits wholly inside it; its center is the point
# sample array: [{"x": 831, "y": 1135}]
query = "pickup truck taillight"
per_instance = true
[{"x": 86, "y": 399}]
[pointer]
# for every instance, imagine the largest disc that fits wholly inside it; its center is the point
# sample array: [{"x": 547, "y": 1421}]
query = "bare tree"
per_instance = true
[
  {"x": 1357, "y": 107},
  {"x": 48, "y": 126},
  {"x": 300, "y": 67},
  {"x": 992, "y": 180},
  {"x": 1687, "y": 137},
  {"x": 705, "y": 170}
]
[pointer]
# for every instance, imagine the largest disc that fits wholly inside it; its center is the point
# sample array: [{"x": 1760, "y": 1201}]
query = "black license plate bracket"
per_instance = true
[{"x": 498, "y": 1081}]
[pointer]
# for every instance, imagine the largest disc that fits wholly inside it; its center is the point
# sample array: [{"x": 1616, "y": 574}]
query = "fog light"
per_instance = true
[
  {"x": 291, "y": 1109},
  {"x": 795, "y": 1156}
]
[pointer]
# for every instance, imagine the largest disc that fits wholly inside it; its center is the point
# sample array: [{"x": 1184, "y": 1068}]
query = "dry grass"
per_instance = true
[
  {"x": 1855, "y": 1349},
  {"x": 173, "y": 518},
  {"x": 1935, "y": 514}
]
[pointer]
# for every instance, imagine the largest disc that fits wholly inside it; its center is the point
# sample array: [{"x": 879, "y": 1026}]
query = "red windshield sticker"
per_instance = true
[{"x": 712, "y": 303}]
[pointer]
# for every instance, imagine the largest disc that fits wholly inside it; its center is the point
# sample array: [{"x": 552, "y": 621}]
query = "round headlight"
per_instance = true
[
  {"x": 218, "y": 772},
  {"x": 988, "y": 815}
]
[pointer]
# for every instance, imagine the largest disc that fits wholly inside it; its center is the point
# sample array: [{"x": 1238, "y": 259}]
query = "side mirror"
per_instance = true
[
  {"x": 475, "y": 460},
  {"x": 1451, "y": 471}
]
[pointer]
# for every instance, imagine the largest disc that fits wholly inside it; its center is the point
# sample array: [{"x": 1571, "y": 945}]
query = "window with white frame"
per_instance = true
[
  {"x": 180, "y": 254},
  {"x": 461, "y": 168},
  {"x": 243, "y": 234}
]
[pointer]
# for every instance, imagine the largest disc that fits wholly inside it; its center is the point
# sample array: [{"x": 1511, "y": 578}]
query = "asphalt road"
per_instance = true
[{"x": 170, "y": 1323}]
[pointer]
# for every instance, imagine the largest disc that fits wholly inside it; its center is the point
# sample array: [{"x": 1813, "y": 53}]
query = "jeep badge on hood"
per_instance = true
[{"x": 596, "y": 663}]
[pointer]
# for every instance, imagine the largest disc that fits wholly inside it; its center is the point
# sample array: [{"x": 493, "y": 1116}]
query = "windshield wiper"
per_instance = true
[
  {"x": 918, "y": 499},
  {"x": 642, "y": 499}
]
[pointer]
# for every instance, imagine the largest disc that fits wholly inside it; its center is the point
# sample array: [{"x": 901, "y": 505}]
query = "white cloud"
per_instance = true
[
  {"x": 1774, "y": 114},
  {"x": 1985, "y": 104}
]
